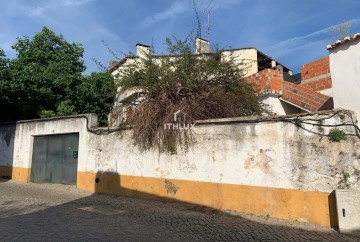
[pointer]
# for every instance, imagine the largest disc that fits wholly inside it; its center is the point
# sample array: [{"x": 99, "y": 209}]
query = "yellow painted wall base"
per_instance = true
[
  {"x": 16, "y": 173},
  {"x": 306, "y": 206}
]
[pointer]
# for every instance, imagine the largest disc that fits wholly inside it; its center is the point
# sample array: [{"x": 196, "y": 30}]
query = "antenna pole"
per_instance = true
[{"x": 207, "y": 11}]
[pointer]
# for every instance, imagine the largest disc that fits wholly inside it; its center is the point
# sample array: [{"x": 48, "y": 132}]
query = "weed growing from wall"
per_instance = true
[
  {"x": 336, "y": 135},
  {"x": 344, "y": 182}
]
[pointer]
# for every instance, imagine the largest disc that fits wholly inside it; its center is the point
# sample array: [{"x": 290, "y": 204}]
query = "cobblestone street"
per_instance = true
[{"x": 42, "y": 212}]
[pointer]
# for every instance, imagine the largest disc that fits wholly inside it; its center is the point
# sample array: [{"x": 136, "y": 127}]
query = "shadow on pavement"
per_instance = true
[
  {"x": 5, "y": 179},
  {"x": 118, "y": 218}
]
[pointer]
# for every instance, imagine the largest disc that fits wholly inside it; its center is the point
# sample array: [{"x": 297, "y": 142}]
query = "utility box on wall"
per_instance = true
[{"x": 348, "y": 210}]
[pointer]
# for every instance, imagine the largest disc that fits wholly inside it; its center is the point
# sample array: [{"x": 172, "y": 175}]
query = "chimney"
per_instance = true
[
  {"x": 142, "y": 50},
  {"x": 273, "y": 64},
  {"x": 279, "y": 68},
  {"x": 202, "y": 46}
]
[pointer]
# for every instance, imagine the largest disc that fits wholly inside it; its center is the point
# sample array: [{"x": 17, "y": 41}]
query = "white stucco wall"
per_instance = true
[
  {"x": 278, "y": 155},
  {"x": 277, "y": 106},
  {"x": 245, "y": 58},
  {"x": 345, "y": 74},
  {"x": 267, "y": 154},
  {"x": 273, "y": 103},
  {"x": 25, "y": 131},
  {"x": 327, "y": 92}
]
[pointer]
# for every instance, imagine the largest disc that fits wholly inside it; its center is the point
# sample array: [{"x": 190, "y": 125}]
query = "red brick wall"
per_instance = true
[
  {"x": 267, "y": 79},
  {"x": 301, "y": 95},
  {"x": 305, "y": 97},
  {"x": 319, "y": 85},
  {"x": 316, "y": 75}
]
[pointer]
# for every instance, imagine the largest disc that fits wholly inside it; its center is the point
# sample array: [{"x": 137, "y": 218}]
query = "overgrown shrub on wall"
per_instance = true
[{"x": 202, "y": 86}]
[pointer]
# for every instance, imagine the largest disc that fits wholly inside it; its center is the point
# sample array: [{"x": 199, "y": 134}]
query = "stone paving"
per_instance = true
[{"x": 44, "y": 212}]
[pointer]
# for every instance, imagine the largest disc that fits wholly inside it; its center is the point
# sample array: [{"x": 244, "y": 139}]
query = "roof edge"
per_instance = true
[{"x": 343, "y": 41}]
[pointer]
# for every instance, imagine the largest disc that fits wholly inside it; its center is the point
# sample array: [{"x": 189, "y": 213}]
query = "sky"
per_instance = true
[{"x": 291, "y": 31}]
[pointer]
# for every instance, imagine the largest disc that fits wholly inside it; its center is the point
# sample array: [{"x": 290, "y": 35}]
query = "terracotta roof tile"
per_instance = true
[
  {"x": 343, "y": 41},
  {"x": 117, "y": 64}
]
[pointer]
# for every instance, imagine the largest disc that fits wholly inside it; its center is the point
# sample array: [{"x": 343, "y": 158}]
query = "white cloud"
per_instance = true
[
  {"x": 182, "y": 6},
  {"x": 296, "y": 40},
  {"x": 216, "y": 4},
  {"x": 225, "y": 3},
  {"x": 291, "y": 44},
  {"x": 55, "y": 5},
  {"x": 172, "y": 12}
]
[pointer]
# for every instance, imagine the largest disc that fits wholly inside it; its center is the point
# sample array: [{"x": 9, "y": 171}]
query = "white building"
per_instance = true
[
  {"x": 283, "y": 92},
  {"x": 345, "y": 72}
]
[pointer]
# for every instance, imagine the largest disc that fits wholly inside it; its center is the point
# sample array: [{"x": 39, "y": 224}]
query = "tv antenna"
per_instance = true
[{"x": 207, "y": 11}]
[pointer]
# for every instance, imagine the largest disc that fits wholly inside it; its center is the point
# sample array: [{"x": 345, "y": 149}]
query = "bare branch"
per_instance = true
[{"x": 340, "y": 31}]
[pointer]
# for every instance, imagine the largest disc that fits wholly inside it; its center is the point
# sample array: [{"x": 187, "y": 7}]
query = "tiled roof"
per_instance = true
[
  {"x": 343, "y": 41},
  {"x": 116, "y": 64}
]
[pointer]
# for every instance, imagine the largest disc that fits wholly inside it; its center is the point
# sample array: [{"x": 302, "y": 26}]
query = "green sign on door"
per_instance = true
[{"x": 75, "y": 154}]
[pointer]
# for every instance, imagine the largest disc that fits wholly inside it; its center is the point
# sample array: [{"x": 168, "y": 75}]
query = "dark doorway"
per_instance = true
[{"x": 55, "y": 158}]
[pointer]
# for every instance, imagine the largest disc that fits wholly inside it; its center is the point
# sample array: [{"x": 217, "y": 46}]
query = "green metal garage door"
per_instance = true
[{"x": 54, "y": 159}]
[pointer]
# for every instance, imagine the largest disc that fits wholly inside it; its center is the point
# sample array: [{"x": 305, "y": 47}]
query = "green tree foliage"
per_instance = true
[
  {"x": 5, "y": 96},
  {"x": 4, "y": 66},
  {"x": 45, "y": 80},
  {"x": 46, "y": 71},
  {"x": 203, "y": 86},
  {"x": 96, "y": 94}
]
